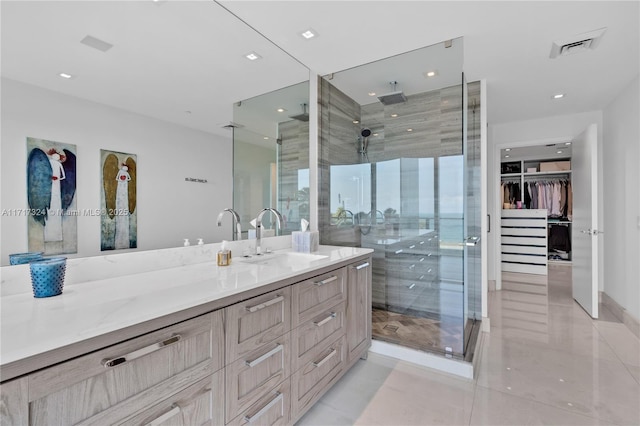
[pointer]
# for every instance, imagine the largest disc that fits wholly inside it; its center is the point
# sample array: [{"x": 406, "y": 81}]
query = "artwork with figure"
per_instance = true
[
  {"x": 51, "y": 195},
  {"x": 118, "y": 216}
]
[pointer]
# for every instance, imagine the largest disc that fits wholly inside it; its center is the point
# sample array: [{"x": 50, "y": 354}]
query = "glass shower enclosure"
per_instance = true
[{"x": 398, "y": 173}]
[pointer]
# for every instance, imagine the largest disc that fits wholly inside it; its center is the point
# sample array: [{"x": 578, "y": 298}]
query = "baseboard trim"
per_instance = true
[{"x": 621, "y": 313}]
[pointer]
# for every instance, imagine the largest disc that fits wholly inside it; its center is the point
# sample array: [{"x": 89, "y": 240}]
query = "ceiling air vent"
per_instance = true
[{"x": 576, "y": 44}]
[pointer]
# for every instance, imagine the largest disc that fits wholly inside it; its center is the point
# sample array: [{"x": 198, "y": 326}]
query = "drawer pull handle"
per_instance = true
[
  {"x": 331, "y": 316},
  {"x": 256, "y": 416},
  {"x": 412, "y": 246},
  {"x": 422, "y": 259},
  {"x": 326, "y": 358},
  {"x": 429, "y": 270},
  {"x": 326, "y": 280},
  {"x": 411, "y": 286},
  {"x": 364, "y": 265},
  {"x": 264, "y": 356},
  {"x": 421, "y": 277},
  {"x": 164, "y": 417},
  {"x": 140, "y": 352},
  {"x": 263, "y": 305},
  {"x": 399, "y": 251},
  {"x": 421, "y": 242}
]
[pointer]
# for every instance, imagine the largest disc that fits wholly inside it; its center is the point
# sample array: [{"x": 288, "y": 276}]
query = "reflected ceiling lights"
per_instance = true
[
  {"x": 372, "y": 93},
  {"x": 558, "y": 96},
  {"x": 281, "y": 110},
  {"x": 308, "y": 34},
  {"x": 65, "y": 75},
  {"x": 430, "y": 73},
  {"x": 394, "y": 115},
  {"x": 252, "y": 56}
]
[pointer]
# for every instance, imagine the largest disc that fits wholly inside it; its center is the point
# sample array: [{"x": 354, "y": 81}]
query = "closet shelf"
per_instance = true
[
  {"x": 559, "y": 172},
  {"x": 508, "y": 175}
]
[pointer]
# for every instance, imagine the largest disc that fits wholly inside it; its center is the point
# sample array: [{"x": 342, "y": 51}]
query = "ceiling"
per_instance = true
[
  {"x": 505, "y": 42},
  {"x": 183, "y": 61}
]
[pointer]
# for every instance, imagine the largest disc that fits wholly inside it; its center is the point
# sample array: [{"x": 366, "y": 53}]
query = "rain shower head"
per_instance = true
[
  {"x": 395, "y": 97},
  {"x": 301, "y": 117}
]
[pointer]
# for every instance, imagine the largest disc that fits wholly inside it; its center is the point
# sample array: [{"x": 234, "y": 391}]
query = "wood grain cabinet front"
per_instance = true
[
  {"x": 311, "y": 381},
  {"x": 199, "y": 404},
  {"x": 256, "y": 321},
  {"x": 272, "y": 409},
  {"x": 254, "y": 375},
  {"x": 116, "y": 382},
  {"x": 359, "y": 310},
  {"x": 311, "y": 297}
]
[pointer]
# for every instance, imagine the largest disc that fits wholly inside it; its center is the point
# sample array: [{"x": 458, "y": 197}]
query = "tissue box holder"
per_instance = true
[{"x": 305, "y": 242}]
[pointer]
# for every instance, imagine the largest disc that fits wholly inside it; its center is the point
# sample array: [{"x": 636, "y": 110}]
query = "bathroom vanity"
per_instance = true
[{"x": 259, "y": 342}]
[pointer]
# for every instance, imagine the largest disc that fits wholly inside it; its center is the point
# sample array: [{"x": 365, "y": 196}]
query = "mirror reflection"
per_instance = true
[
  {"x": 157, "y": 80},
  {"x": 271, "y": 157}
]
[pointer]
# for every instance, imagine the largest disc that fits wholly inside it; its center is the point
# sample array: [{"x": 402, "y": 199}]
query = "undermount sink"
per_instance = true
[{"x": 291, "y": 259}]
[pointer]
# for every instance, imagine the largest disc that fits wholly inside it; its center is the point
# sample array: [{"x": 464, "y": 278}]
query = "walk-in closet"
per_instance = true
[{"x": 536, "y": 196}]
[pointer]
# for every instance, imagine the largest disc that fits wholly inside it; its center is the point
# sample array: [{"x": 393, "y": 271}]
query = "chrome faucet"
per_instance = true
[
  {"x": 259, "y": 226},
  {"x": 238, "y": 233}
]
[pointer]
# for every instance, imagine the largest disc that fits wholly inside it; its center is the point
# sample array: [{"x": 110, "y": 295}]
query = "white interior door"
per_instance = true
[{"x": 585, "y": 219}]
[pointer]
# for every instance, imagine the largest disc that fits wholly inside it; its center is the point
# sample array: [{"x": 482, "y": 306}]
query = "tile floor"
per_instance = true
[{"x": 544, "y": 362}]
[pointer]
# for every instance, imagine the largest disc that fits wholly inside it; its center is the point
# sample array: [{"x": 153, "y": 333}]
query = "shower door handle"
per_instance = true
[{"x": 471, "y": 241}]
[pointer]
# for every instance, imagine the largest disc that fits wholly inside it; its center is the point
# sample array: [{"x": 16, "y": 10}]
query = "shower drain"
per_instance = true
[{"x": 392, "y": 328}]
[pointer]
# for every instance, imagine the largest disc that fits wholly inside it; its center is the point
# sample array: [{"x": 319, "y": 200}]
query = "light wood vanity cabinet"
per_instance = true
[
  {"x": 114, "y": 383},
  {"x": 265, "y": 360}
]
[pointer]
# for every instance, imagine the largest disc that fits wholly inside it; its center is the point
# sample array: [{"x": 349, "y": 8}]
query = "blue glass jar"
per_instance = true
[
  {"x": 47, "y": 276},
  {"x": 22, "y": 258}
]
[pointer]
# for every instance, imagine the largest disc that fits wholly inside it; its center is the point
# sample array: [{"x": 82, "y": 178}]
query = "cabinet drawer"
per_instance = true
[
  {"x": 312, "y": 297},
  {"x": 314, "y": 334},
  {"x": 313, "y": 379},
  {"x": 116, "y": 381},
  {"x": 199, "y": 404},
  {"x": 273, "y": 408},
  {"x": 253, "y": 375},
  {"x": 257, "y": 321}
]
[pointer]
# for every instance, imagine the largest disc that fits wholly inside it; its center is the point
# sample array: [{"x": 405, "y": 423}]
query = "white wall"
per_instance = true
[
  {"x": 622, "y": 182},
  {"x": 523, "y": 133},
  {"x": 169, "y": 209}
]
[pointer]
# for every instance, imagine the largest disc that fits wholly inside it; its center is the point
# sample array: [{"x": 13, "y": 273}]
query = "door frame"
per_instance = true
[{"x": 496, "y": 191}]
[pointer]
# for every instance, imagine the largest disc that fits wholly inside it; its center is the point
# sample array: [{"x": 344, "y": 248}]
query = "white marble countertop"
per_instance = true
[{"x": 31, "y": 327}]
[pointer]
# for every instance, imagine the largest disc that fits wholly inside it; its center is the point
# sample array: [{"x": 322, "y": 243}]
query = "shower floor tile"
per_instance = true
[{"x": 426, "y": 334}]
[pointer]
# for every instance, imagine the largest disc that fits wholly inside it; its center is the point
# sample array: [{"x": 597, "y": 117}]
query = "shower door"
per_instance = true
[{"x": 472, "y": 247}]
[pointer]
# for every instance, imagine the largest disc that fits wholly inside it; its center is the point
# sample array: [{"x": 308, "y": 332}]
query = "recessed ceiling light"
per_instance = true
[
  {"x": 266, "y": 138},
  {"x": 394, "y": 115},
  {"x": 65, "y": 75},
  {"x": 567, "y": 143},
  {"x": 430, "y": 73},
  {"x": 281, "y": 110},
  {"x": 507, "y": 149},
  {"x": 558, "y": 152},
  {"x": 355, "y": 121},
  {"x": 409, "y": 130},
  {"x": 252, "y": 56},
  {"x": 310, "y": 33},
  {"x": 372, "y": 93},
  {"x": 375, "y": 134},
  {"x": 506, "y": 156},
  {"x": 558, "y": 96}
]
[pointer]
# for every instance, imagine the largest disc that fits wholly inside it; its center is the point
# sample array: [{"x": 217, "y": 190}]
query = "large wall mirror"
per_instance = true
[
  {"x": 157, "y": 80},
  {"x": 271, "y": 156}
]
